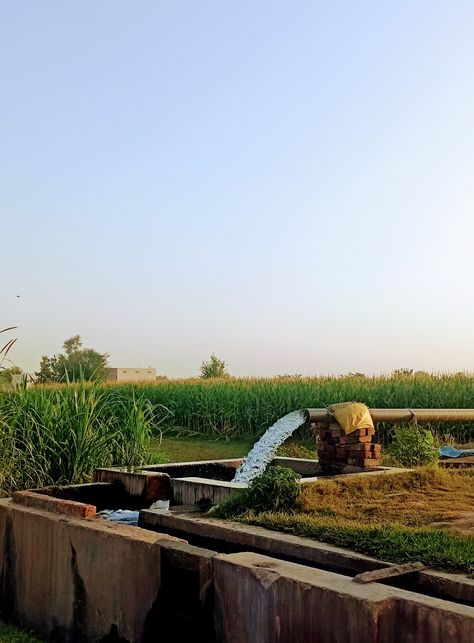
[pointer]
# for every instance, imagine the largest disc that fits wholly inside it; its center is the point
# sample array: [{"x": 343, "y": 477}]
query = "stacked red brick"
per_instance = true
[{"x": 337, "y": 450}]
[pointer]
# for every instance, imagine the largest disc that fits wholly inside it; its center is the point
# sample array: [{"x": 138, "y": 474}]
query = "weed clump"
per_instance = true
[
  {"x": 277, "y": 489},
  {"x": 412, "y": 446}
]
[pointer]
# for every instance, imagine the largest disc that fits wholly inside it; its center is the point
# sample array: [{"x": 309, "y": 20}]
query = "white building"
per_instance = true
[{"x": 131, "y": 374}]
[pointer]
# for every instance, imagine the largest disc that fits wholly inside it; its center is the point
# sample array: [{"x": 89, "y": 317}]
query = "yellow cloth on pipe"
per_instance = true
[{"x": 351, "y": 416}]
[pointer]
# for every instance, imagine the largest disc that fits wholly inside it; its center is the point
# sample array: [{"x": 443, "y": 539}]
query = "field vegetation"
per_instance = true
[
  {"x": 420, "y": 515},
  {"x": 60, "y": 435},
  {"x": 232, "y": 407}
]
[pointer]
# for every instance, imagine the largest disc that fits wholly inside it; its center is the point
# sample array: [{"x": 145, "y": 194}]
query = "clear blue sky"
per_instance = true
[{"x": 286, "y": 184}]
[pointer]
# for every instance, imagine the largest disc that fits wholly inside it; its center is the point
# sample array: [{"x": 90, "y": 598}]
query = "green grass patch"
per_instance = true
[
  {"x": 393, "y": 543},
  {"x": 10, "y": 634},
  {"x": 177, "y": 449}
]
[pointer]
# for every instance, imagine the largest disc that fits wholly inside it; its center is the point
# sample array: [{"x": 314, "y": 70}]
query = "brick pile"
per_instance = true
[{"x": 337, "y": 450}]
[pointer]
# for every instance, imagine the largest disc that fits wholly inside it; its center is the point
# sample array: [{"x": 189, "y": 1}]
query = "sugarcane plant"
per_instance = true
[{"x": 7, "y": 367}]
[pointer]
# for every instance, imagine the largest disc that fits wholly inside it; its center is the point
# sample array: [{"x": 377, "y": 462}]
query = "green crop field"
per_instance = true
[
  {"x": 247, "y": 407},
  {"x": 59, "y": 434}
]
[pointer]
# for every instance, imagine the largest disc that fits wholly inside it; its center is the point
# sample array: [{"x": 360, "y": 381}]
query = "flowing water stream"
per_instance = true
[{"x": 263, "y": 451}]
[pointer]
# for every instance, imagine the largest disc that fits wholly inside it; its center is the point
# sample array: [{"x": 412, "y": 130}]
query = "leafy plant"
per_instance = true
[
  {"x": 6, "y": 348},
  {"x": 9, "y": 377},
  {"x": 156, "y": 457},
  {"x": 277, "y": 489},
  {"x": 12, "y": 634},
  {"x": 412, "y": 446}
]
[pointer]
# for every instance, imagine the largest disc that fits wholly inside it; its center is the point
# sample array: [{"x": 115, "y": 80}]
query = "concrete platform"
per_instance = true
[
  {"x": 72, "y": 577},
  {"x": 227, "y": 536},
  {"x": 90, "y": 580}
]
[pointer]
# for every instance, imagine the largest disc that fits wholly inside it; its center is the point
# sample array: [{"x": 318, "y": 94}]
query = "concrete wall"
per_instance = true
[
  {"x": 90, "y": 580},
  {"x": 148, "y": 486},
  {"x": 228, "y": 537},
  {"x": 263, "y": 600}
]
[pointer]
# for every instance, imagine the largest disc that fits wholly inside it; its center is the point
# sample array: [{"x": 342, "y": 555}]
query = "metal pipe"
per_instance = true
[{"x": 404, "y": 415}]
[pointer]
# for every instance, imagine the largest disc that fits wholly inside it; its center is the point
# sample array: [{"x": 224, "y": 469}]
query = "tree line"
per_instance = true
[{"x": 79, "y": 363}]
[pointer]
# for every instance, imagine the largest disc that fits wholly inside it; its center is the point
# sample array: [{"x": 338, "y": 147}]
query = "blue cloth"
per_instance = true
[
  {"x": 451, "y": 452},
  {"x": 124, "y": 516}
]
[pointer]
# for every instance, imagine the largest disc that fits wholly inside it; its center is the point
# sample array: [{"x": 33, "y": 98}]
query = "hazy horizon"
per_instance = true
[{"x": 286, "y": 186}]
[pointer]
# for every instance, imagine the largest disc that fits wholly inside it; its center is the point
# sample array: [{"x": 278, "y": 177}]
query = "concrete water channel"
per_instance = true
[
  {"x": 72, "y": 576},
  {"x": 181, "y": 575}
]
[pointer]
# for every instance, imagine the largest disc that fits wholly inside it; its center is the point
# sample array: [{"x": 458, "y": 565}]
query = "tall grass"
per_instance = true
[
  {"x": 247, "y": 407},
  {"x": 59, "y": 435}
]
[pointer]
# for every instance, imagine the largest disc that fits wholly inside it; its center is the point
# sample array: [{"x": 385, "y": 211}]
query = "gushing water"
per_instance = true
[{"x": 263, "y": 451}]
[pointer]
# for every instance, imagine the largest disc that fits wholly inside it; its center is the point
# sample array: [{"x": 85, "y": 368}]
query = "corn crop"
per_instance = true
[{"x": 246, "y": 407}]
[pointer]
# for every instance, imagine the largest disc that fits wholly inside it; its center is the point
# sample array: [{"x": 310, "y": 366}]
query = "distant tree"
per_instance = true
[
  {"x": 48, "y": 372},
  {"x": 215, "y": 367},
  {"x": 72, "y": 345},
  {"x": 74, "y": 364}
]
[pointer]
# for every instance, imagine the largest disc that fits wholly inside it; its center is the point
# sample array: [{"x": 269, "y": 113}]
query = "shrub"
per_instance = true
[
  {"x": 412, "y": 446},
  {"x": 277, "y": 489}
]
